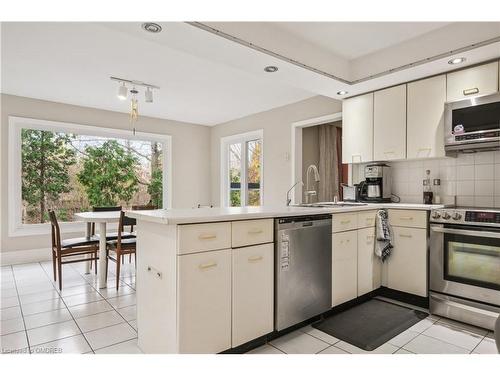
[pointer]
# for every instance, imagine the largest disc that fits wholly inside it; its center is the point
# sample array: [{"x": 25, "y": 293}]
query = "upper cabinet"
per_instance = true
[
  {"x": 389, "y": 123},
  {"x": 357, "y": 137},
  {"x": 425, "y": 118},
  {"x": 479, "y": 80}
]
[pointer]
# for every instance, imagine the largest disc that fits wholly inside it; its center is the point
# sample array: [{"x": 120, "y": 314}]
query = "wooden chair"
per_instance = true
[
  {"x": 85, "y": 250},
  {"x": 113, "y": 235},
  {"x": 120, "y": 246}
]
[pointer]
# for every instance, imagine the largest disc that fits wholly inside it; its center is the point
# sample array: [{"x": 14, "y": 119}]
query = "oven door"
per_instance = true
[{"x": 465, "y": 262}]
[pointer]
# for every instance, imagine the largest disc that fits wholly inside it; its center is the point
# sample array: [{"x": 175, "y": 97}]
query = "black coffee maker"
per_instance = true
[{"x": 377, "y": 185}]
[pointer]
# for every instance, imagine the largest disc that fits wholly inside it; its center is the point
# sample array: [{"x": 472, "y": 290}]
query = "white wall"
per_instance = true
[
  {"x": 473, "y": 178},
  {"x": 190, "y": 150},
  {"x": 276, "y": 124}
]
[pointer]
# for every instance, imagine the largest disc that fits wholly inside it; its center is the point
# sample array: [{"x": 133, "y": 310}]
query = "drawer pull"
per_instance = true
[
  {"x": 346, "y": 241},
  {"x": 207, "y": 265},
  {"x": 255, "y": 231},
  {"x": 472, "y": 91},
  {"x": 389, "y": 152},
  {"x": 207, "y": 236},
  {"x": 406, "y": 235},
  {"x": 406, "y": 218},
  {"x": 343, "y": 222},
  {"x": 255, "y": 258}
]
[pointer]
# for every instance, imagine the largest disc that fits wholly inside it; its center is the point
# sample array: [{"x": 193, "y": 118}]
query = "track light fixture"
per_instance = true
[
  {"x": 148, "y": 95},
  {"x": 122, "y": 91}
]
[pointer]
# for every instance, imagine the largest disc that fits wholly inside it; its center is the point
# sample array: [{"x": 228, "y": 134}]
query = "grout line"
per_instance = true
[
  {"x": 21, "y": 309},
  {"x": 275, "y": 347}
]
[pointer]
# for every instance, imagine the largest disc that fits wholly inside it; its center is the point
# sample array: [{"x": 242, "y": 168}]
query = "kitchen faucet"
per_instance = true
[
  {"x": 309, "y": 193},
  {"x": 288, "y": 199}
]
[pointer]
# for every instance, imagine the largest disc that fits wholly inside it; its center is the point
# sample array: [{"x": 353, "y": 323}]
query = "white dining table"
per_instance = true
[{"x": 101, "y": 218}]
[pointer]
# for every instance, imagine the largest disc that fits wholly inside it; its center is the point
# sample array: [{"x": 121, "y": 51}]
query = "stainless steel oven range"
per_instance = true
[{"x": 465, "y": 265}]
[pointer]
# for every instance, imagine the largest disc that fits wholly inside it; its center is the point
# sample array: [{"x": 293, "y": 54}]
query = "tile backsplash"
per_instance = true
[{"x": 473, "y": 178}]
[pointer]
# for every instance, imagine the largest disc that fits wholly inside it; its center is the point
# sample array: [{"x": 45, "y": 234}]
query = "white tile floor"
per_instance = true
[{"x": 36, "y": 318}]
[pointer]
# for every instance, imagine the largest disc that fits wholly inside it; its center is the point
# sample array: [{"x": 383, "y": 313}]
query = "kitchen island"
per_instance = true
[{"x": 205, "y": 277}]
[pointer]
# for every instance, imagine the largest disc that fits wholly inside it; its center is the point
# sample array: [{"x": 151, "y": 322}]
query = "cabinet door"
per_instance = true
[
  {"x": 480, "y": 80},
  {"x": 357, "y": 129},
  {"x": 389, "y": 123},
  {"x": 368, "y": 263},
  {"x": 425, "y": 123},
  {"x": 407, "y": 265},
  {"x": 204, "y": 302},
  {"x": 344, "y": 267},
  {"x": 253, "y": 293}
]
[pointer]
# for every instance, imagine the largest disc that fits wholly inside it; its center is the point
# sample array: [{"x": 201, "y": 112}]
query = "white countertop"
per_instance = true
[{"x": 205, "y": 215}]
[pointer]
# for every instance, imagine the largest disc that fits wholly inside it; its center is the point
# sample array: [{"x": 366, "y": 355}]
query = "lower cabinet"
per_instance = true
[
  {"x": 344, "y": 267},
  {"x": 369, "y": 265},
  {"x": 204, "y": 302},
  {"x": 407, "y": 264},
  {"x": 252, "y": 292}
]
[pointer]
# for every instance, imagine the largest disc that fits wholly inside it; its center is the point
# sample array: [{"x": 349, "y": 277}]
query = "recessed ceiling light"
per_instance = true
[
  {"x": 342, "y": 92},
  {"x": 457, "y": 60},
  {"x": 151, "y": 27},
  {"x": 271, "y": 69}
]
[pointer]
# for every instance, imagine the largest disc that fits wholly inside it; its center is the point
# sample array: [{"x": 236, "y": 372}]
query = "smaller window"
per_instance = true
[{"x": 242, "y": 162}]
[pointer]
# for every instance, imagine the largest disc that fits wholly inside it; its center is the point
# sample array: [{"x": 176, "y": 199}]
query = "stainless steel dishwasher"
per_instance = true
[{"x": 303, "y": 268}]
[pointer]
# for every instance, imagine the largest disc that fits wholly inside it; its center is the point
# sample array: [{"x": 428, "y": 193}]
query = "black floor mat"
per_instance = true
[{"x": 370, "y": 324}]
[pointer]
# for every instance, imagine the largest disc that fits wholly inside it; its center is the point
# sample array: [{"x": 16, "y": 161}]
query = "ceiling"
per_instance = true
[
  {"x": 351, "y": 40},
  {"x": 210, "y": 73}
]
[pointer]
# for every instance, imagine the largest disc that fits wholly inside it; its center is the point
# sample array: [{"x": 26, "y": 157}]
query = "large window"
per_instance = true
[
  {"x": 241, "y": 157},
  {"x": 71, "y": 168}
]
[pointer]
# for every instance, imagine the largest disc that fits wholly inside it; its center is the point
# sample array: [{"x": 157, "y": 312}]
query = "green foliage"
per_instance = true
[
  {"x": 155, "y": 188},
  {"x": 46, "y": 158},
  {"x": 109, "y": 174}
]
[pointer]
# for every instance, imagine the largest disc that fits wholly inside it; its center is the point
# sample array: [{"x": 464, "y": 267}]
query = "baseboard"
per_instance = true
[{"x": 8, "y": 258}]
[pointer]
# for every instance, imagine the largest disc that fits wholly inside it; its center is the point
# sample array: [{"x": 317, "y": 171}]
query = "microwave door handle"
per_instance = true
[{"x": 472, "y": 233}]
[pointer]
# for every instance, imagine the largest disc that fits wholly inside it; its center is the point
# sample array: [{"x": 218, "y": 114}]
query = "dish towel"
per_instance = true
[{"x": 383, "y": 233}]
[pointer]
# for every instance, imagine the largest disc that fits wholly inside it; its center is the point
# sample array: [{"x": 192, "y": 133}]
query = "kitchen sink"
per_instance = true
[{"x": 331, "y": 204}]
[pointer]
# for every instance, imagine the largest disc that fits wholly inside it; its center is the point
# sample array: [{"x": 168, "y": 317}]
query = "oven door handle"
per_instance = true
[{"x": 472, "y": 233}]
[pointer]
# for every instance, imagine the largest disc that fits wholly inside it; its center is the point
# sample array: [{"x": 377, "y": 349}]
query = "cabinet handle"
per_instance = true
[
  {"x": 207, "y": 236},
  {"x": 255, "y": 258},
  {"x": 255, "y": 231},
  {"x": 405, "y": 235},
  {"x": 389, "y": 152},
  {"x": 346, "y": 241},
  {"x": 405, "y": 218},
  {"x": 207, "y": 265},
  {"x": 472, "y": 91},
  {"x": 345, "y": 222}
]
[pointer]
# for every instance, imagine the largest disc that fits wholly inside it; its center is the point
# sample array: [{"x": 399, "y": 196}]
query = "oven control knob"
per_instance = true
[
  {"x": 457, "y": 216},
  {"x": 446, "y": 216},
  {"x": 436, "y": 215}
]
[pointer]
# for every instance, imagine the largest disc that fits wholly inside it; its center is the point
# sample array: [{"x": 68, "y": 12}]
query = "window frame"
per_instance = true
[
  {"x": 241, "y": 138},
  {"x": 15, "y": 226}
]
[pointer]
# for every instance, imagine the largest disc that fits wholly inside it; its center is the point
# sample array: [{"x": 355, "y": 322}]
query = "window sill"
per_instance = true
[{"x": 44, "y": 229}]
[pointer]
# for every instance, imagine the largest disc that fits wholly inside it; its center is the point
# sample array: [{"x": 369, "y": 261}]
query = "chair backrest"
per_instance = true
[
  {"x": 55, "y": 231},
  {"x": 103, "y": 209}
]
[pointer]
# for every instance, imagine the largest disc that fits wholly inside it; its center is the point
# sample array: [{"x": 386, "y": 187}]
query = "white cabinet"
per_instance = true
[
  {"x": 252, "y": 232},
  {"x": 479, "y": 80},
  {"x": 253, "y": 293},
  {"x": 407, "y": 265},
  {"x": 389, "y": 123},
  {"x": 344, "y": 267},
  {"x": 369, "y": 265},
  {"x": 425, "y": 122},
  {"x": 357, "y": 129},
  {"x": 204, "y": 302}
]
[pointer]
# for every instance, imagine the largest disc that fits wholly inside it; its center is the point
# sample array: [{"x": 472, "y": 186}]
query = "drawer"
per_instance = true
[
  {"x": 408, "y": 218},
  {"x": 203, "y": 237},
  {"x": 366, "y": 219},
  {"x": 252, "y": 232},
  {"x": 343, "y": 222}
]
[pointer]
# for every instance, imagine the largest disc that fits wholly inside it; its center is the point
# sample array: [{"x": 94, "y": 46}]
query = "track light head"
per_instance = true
[{"x": 122, "y": 92}]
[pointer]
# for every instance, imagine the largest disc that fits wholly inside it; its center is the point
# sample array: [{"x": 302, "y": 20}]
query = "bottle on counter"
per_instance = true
[
  {"x": 437, "y": 189},
  {"x": 428, "y": 194}
]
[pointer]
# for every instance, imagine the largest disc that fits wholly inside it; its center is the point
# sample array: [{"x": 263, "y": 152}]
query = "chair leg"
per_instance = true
[
  {"x": 118, "y": 256},
  {"x": 59, "y": 271},
  {"x": 95, "y": 262},
  {"x": 107, "y": 261},
  {"x": 54, "y": 264}
]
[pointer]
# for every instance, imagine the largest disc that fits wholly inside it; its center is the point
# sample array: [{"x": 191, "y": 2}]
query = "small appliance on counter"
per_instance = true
[
  {"x": 377, "y": 184},
  {"x": 350, "y": 193}
]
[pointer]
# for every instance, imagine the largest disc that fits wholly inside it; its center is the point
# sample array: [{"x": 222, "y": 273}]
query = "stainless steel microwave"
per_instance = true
[{"x": 473, "y": 124}]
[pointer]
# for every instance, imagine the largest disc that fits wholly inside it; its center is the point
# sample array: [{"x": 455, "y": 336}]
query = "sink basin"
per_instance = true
[{"x": 331, "y": 204}]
